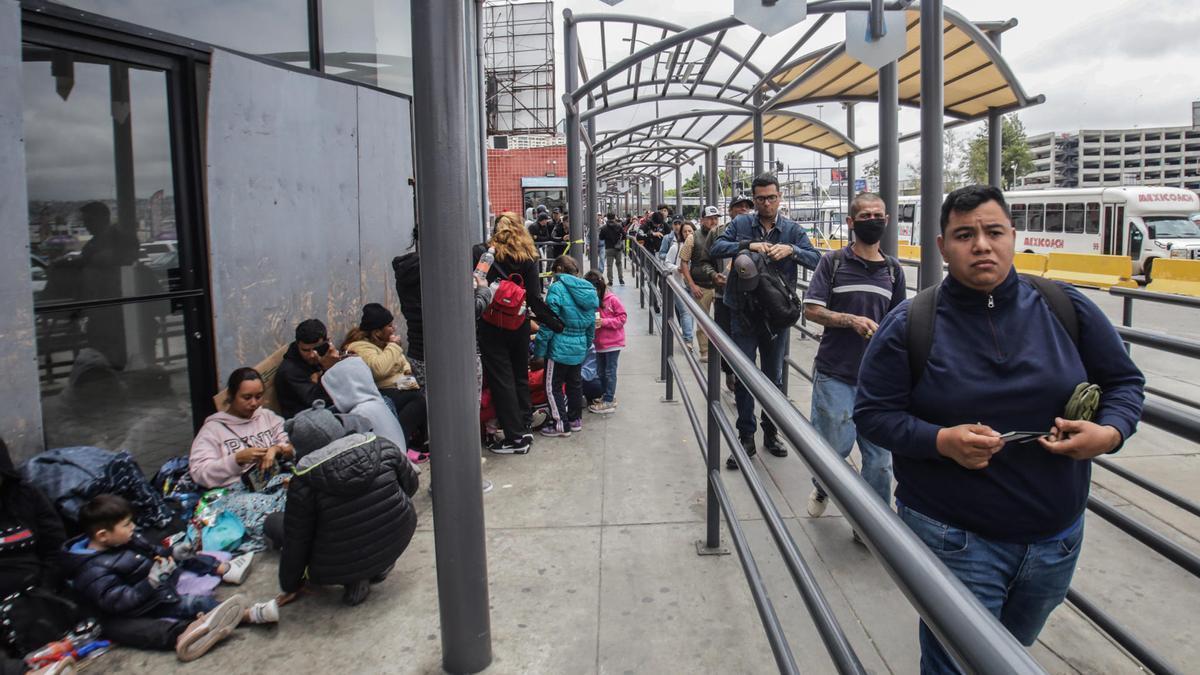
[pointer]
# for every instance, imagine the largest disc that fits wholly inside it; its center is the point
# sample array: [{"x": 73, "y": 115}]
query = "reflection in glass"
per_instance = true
[
  {"x": 369, "y": 41},
  {"x": 142, "y": 405},
  {"x": 274, "y": 28},
  {"x": 98, "y": 163}
]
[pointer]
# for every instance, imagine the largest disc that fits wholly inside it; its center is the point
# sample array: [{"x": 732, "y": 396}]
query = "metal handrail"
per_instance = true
[
  {"x": 969, "y": 632},
  {"x": 1154, "y": 296},
  {"x": 1160, "y": 341}
]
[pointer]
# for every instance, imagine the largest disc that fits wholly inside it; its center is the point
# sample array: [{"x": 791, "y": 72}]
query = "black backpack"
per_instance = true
[
  {"x": 771, "y": 302},
  {"x": 922, "y": 313}
]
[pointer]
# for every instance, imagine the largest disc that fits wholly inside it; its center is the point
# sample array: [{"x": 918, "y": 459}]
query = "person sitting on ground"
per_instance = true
[
  {"x": 298, "y": 380},
  {"x": 118, "y": 572},
  {"x": 352, "y": 388},
  {"x": 349, "y": 512},
  {"x": 374, "y": 339},
  {"x": 574, "y": 301},
  {"x": 609, "y": 341},
  {"x": 240, "y": 449}
]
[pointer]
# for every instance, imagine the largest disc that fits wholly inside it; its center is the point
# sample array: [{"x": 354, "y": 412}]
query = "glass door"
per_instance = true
[{"x": 119, "y": 285}]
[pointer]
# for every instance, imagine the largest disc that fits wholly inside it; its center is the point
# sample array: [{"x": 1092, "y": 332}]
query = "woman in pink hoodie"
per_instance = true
[
  {"x": 238, "y": 450},
  {"x": 243, "y": 437},
  {"x": 609, "y": 341}
]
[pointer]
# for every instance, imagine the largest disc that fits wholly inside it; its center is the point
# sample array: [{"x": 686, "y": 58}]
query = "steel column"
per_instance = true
[
  {"x": 442, "y": 129},
  {"x": 574, "y": 180},
  {"x": 714, "y": 178},
  {"x": 996, "y": 136},
  {"x": 668, "y": 336},
  {"x": 758, "y": 135},
  {"x": 932, "y": 96},
  {"x": 851, "y": 163},
  {"x": 678, "y": 188},
  {"x": 593, "y": 228},
  {"x": 889, "y": 154}
]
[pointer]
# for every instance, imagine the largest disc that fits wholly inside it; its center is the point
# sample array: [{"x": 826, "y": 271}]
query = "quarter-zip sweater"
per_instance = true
[{"x": 1004, "y": 360}]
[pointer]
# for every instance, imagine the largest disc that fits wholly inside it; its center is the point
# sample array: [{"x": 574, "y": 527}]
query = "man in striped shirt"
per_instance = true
[{"x": 851, "y": 291}]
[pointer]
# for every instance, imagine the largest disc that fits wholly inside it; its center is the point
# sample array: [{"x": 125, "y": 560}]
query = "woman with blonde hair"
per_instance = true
[{"x": 504, "y": 351}]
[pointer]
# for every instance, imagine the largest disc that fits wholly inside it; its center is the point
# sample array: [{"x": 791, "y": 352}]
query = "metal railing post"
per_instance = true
[
  {"x": 1127, "y": 318},
  {"x": 787, "y": 352},
  {"x": 712, "y": 397},
  {"x": 668, "y": 338}
]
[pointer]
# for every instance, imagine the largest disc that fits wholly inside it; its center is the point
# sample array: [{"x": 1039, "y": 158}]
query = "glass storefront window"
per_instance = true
[
  {"x": 369, "y": 41},
  {"x": 143, "y": 406},
  {"x": 102, "y": 219},
  {"x": 273, "y": 28},
  {"x": 112, "y": 355}
]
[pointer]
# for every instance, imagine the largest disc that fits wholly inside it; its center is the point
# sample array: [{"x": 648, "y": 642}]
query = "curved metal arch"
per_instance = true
[
  {"x": 610, "y": 136},
  {"x": 679, "y": 152},
  {"x": 734, "y": 105},
  {"x": 695, "y": 145},
  {"x": 680, "y": 37}
]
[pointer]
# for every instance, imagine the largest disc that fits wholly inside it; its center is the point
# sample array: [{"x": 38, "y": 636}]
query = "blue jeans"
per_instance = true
[
  {"x": 687, "y": 323},
  {"x": 606, "y": 368},
  {"x": 771, "y": 351},
  {"x": 1018, "y": 583},
  {"x": 186, "y": 609},
  {"x": 833, "y": 416}
]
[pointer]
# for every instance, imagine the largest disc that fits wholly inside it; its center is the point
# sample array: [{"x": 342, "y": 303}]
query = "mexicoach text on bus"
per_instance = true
[
  {"x": 1167, "y": 197},
  {"x": 1043, "y": 241}
]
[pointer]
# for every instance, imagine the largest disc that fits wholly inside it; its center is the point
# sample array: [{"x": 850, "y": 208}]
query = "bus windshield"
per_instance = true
[{"x": 1172, "y": 227}]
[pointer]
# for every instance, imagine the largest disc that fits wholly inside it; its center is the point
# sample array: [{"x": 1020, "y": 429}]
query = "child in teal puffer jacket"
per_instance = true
[{"x": 574, "y": 301}]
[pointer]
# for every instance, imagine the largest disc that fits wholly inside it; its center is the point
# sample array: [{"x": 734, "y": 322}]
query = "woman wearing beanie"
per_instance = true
[{"x": 375, "y": 341}]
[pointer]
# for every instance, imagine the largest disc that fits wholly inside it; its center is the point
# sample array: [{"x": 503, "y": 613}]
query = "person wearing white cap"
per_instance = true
[{"x": 698, "y": 267}]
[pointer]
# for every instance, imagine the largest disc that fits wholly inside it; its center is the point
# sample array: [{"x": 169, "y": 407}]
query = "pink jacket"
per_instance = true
[
  {"x": 610, "y": 336},
  {"x": 213, "y": 463}
]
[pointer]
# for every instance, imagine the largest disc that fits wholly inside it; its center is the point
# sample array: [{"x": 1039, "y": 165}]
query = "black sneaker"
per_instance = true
[
  {"x": 773, "y": 446},
  {"x": 356, "y": 592},
  {"x": 516, "y": 446},
  {"x": 747, "y": 445}
]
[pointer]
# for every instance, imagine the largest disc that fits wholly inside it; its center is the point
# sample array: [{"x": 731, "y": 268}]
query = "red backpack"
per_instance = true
[{"x": 507, "y": 308}]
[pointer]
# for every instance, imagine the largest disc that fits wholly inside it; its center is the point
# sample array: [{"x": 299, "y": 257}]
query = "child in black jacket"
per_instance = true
[{"x": 117, "y": 572}]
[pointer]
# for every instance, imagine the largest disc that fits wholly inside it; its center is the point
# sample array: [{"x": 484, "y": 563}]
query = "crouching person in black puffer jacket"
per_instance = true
[{"x": 349, "y": 515}]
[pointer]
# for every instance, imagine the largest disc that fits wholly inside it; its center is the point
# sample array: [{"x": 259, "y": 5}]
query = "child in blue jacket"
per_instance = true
[{"x": 574, "y": 301}]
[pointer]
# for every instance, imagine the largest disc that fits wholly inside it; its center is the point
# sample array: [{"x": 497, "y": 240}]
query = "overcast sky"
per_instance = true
[{"x": 1100, "y": 63}]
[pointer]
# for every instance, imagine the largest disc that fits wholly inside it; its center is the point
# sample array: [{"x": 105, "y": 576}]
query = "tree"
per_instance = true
[
  {"x": 1015, "y": 158},
  {"x": 954, "y": 166}
]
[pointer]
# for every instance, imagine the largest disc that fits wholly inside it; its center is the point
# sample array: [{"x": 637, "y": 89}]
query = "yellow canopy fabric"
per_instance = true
[
  {"x": 976, "y": 77},
  {"x": 791, "y": 128}
]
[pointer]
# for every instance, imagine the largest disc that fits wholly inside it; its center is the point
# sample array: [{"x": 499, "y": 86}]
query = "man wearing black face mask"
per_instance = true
[{"x": 851, "y": 291}]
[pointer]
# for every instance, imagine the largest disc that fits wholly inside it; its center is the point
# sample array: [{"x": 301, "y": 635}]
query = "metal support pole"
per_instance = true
[
  {"x": 574, "y": 180},
  {"x": 771, "y": 157},
  {"x": 668, "y": 337},
  {"x": 593, "y": 227},
  {"x": 712, "y": 538},
  {"x": 889, "y": 154},
  {"x": 852, "y": 164},
  {"x": 931, "y": 140},
  {"x": 758, "y": 135},
  {"x": 995, "y": 136},
  {"x": 714, "y": 179},
  {"x": 678, "y": 188},
  {"x": 443, "y": 127}
]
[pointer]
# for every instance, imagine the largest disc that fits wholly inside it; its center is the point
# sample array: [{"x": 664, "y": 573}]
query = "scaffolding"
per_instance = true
[{"x": 518, "y": 48}]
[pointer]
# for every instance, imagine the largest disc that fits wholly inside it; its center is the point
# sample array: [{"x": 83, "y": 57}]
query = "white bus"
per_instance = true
[
  {"x": 1143, "y": 223},
  {"x": 826, "y": 216}
]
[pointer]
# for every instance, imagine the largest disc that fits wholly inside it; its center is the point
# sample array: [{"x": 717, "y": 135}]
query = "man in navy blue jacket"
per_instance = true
[
  {"x": 1006, "y": 518},
  {"x": 786, "y": 244}
]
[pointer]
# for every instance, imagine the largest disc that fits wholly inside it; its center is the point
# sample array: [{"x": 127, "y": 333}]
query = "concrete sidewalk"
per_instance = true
[{"x": 593, "y": 569}]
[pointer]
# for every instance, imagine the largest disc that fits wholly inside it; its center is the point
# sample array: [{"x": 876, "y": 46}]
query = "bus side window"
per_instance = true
[
  {"x": 906, "y": 213},
  {"x": 1054, "y": 217},
  {"x": 1035, "y": 217},
  {"x": 1074, "y": 221},
  {"x": 1018, "y": 217},
  {"x": 1092, "y": 220}
]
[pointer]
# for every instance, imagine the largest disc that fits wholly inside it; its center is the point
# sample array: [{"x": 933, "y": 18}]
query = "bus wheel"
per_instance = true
[
  {"x": 1147, "y": 267},
  {"x": 1028, "y": 251}
]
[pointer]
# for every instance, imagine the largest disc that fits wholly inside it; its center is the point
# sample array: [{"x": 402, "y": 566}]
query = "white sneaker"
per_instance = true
[
  {"x": 210, "y": 628},
  {"x": 265, "y": 612},
  {"x": 238, "y": 568},
  {"x": 817, "y": 503},
  {"x": 603, "y": 408}
]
